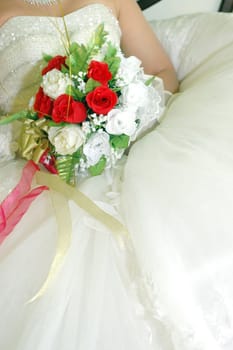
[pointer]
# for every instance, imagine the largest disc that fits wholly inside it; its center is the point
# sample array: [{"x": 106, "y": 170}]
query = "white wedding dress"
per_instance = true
[{"x": 171, "y": 287}]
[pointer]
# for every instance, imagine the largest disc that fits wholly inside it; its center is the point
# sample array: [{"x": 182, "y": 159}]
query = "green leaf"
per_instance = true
[
  {"x": 114, "y": 65},
  {"x": 80, "y": 55},
  {"x": 77, "y": 59},
  {"x": 91, "y": 85},
  {"x": 52, "y": 123},
  {"x": 46, "y": 57},
  {"x": 149, "y": 81},
  {"x": 73, "y": 47},
  {"x": 119, "y": 141},
  {"x": 64, "y": 70},
  {"x": 112, "y": 60},
  {"x": 20, "y": 115},
  {"x": 98, "y": 168},
  {"x": 98, "y": 38},
  {"x": 70, "y": 90},
  {"x": 65, "y": 166},
  {"x": 111, "y": 51},
  {"x": 32, "y": 115},
  {"x": 74, "y": 92}
]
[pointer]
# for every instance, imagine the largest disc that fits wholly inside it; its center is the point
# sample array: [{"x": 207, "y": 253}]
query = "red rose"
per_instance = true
[
  {"x": 43, "y": 104},
  {"x": 49, "y": 162},
  {"x": 56, "y": 62},
  {"x": 99, "y": 71},
  {"x": 101, "y": 100},
  {"x": 66, "y": 109}
]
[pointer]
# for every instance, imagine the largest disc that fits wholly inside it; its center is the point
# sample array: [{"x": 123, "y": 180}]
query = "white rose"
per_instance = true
[
  {"x": 54, "y": 83},
  {"x": 67, "y": 139},
  {"x": 134, "y": 95},
  {"x": 96, "y": 146},
  {"x": 121, "y": 122},
  {"x": 130, "y": 68}
]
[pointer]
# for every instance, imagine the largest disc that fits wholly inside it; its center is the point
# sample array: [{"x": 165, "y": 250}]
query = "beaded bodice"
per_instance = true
[{"x": 24, "y": 40}]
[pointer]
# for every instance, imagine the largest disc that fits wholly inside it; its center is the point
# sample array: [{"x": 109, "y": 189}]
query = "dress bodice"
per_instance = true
[{"x": 24, "y": 40}]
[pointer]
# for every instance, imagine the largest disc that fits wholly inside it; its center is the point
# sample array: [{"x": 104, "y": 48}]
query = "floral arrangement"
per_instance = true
[{"x": 91, "y": 104}]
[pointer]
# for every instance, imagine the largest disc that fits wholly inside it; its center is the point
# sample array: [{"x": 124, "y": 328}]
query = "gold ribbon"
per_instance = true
[
  {"x": 61, "y": 194},
  {"x": 85, "y": 203},
  {"x": 33, "y": 141},
  {"x": 64, "y": 223}
]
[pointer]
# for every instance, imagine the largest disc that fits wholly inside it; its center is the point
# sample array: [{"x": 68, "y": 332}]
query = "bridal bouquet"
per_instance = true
[{"x": 91, "y": 104}]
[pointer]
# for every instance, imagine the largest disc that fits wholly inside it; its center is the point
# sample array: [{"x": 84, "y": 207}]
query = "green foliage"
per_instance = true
[
  {"x": 91, "y": 85},
  {"x": 66, "y": 167},
  {"x": 32, "y": 115},
  {"x": 98, "y": 38},
  {"x": 65, "y": 70},
  {"x": 119, "y": 141},
  {"x": 112, "y": 60},
  {"x": 20, "y": 115},
  {"x": 149, "y": 81},
  {"x": 46, "y": 57},
  {"x": 52, "y": 123},
  {"x": 77, "y": 94},
  {"x": 80, "y": 55},
  {"x": 98, "y": 168}
]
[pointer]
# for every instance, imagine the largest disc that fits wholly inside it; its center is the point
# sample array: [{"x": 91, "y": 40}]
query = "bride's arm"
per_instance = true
[{"x": 139, "y": 39}]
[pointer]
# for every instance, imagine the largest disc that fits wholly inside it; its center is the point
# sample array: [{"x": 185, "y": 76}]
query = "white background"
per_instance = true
[{"x": 170, "y": 8}]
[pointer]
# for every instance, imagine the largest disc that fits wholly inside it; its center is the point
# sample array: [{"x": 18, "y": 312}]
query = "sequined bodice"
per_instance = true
[{"x": 24, "y": 40}]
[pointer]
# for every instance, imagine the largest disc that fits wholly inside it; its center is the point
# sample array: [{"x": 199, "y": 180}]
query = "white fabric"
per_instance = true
[{"x": 174, "y": 292}]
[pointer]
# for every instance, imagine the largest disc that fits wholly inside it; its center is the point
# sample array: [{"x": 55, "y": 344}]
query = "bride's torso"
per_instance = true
[
  {"x": 24, "y": 40},
  {"x": 56, "y": 8}
]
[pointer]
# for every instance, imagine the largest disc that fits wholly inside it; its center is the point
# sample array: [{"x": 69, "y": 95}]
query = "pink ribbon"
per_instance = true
[{"x": 15, "y": 205}]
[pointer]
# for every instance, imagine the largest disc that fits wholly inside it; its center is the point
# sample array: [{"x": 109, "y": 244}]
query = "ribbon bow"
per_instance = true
[{"x": 33, "y": 141}]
